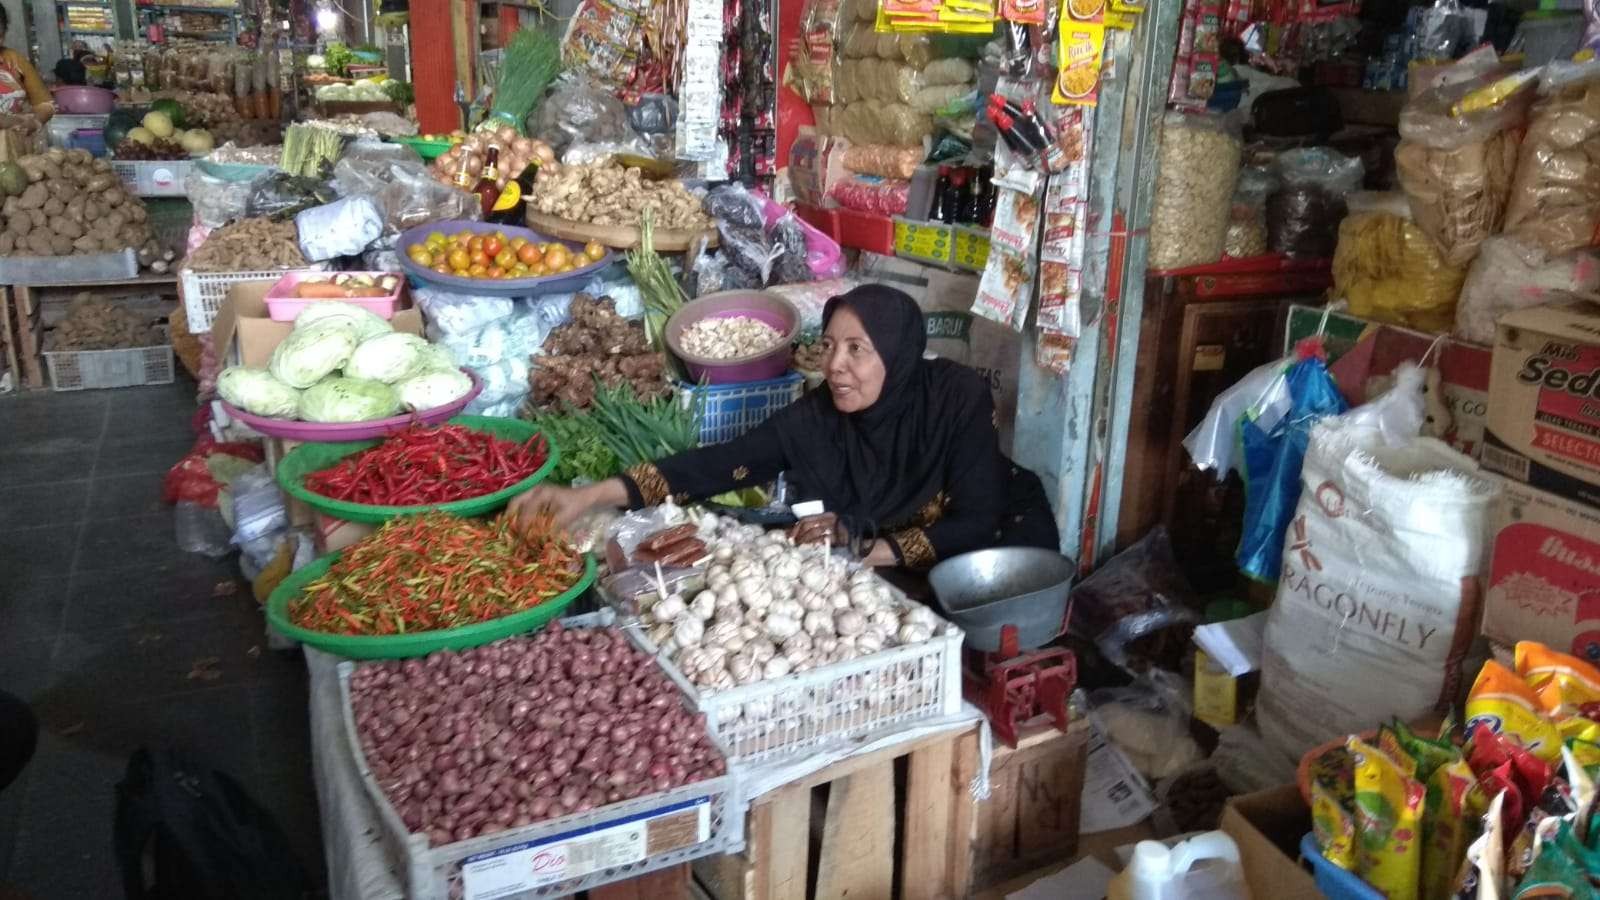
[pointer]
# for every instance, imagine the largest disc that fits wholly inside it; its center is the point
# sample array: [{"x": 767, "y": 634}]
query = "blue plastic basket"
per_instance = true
[
  {"x": 733, "y": 409},
  {"x": 90, "y": 139},
  {"x": 1336, "y": 883}
]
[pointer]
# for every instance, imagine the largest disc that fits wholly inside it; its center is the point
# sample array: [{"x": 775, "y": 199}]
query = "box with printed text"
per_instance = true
[{"x": 1544, "y": 575}]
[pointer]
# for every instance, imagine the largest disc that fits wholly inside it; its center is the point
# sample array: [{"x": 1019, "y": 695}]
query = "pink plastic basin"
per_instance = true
[
  {"x": 283, "y": 306},
  {"x": 84, "y": 101},
  {"x": 296, "y": 430},
  {"x": 760, "y": 305}
]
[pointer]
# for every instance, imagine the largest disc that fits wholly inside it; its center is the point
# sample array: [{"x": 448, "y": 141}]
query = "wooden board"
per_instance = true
[
  {"x": 1031, "y": 816},
  {"x": 857, "y": 856},
  {"x": 621, "y": 237}
]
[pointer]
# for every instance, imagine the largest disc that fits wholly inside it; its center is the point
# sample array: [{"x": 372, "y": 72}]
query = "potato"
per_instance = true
[
  {"x": 39, "y": 243},
  {"x": 100, "y": 183},
  {"x": 92, "y": 211},
  {"x": 37, "y": 215},
  {"x": 10, "y": 207},
  {"x": 113, "y": 197},
  {"x": 19, "y": 225},
  {"x": 68, "y": 227},
  {"x": 80, "y": 156},
  {"x": 54, "y": 207},
  {"x": 85, "y": 244},
  {"x": 34, "y": 196},
  {"x": 100, "y": 167},
  {"x": 62, "y": 189},
  {"x": 75, "y": 209},
  {"x": 61, "y": 246},
  {"x": 137, "y": 212}
]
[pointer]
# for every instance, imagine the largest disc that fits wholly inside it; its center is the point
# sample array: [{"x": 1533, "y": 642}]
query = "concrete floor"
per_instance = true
[{"x": 119, "y": 639}]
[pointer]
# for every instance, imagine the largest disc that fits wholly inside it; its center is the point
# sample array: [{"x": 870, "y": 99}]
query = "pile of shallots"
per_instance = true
[{"x": 524, "y": 730}]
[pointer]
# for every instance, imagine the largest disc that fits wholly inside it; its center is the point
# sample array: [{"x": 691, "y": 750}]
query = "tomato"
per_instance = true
[
  {"x": 495, "y": 272},
  {"x": 557, "y": 255},
  {"x": 506, "y": 258},
  {"x": 459, "y": 259},
  {"x": 528, "y": 254},
  {"x": 491, "y": 246},
  {"x": 480, "y": 258},
  {"x": 594, "y": 251},
  {"x": 421, "y": 256},
  {"x": 476, "y": 271},
  {"x": 537, "y": 269},
  {"x": 436, "y": 237},
  {"x": 475, "y": 243},
  {"x": 518, "y": 242},
  {"x": 461, "y": 237},
  {"x": 443, "y": 269}
]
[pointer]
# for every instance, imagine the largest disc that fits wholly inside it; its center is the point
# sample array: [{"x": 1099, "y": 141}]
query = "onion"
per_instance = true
[
  {"x": 522, "y": 146},
  {"x": 546, "y": 155},
  {"x": 506, "y": 135}
]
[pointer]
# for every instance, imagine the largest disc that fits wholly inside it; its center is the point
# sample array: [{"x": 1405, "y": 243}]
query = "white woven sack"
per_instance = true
[{"x": 1380, "y": 587}]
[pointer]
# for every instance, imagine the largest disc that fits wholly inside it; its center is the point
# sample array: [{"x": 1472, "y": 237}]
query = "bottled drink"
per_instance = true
[{"x": 488, "y": 187}]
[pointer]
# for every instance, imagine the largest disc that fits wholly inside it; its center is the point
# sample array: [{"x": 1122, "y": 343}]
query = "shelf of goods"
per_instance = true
[{"x": 605, "y": 844}]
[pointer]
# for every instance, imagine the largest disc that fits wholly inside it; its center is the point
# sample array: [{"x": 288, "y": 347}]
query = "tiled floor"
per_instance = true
[{"x": 118, "y": 638}]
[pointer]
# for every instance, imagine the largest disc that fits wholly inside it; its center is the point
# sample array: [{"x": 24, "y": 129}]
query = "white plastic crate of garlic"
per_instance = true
[{"x": 770, "y": 608}]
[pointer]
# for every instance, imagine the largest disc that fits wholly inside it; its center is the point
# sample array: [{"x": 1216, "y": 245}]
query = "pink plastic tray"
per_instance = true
[
  {"x": 294, "y": 430},
  {"x": 283, "y": 306}
]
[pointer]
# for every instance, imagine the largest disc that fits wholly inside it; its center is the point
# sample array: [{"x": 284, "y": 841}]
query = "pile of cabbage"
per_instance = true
[{"x": 343, "y": 363}]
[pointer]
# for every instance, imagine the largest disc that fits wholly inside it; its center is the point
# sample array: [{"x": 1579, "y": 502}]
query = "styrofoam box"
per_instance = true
[
  {"x": 573, "y": 853},
  {"x": 77, "y": 370},
  {"x": 153, "y": 178},
  {"x": 851, "y": 699}
]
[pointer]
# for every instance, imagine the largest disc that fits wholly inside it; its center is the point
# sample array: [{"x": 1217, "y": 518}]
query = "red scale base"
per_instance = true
[{"x": 1016, "y": 689}]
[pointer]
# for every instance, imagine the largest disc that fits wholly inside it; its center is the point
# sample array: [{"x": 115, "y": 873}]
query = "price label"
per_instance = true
[
  {"x": 923, "y": 240},
  {"x": 971, "y": 249}
]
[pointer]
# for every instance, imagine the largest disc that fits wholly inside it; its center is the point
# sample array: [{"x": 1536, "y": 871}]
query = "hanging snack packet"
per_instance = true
[
  {"x": 1499, "y": 781},
  {"x": 1560, "y": 870},
  {"x": 1583, "y": 754},
  {"x": 1388, "y": 812},
  {"x": 1564, "y": 684},
  {"x": 1333, "y": 823},
  {"x": 1554, "y": 803},
  {"x": 1451, "y": 819},
  {"x": 1502, "y": 701},
  {"x": 1489, "y": 750},
  {"x": 1430, "y": 755},
  {"x": 1582, "y": 728},
  {"x": 1482, "y": 875}
]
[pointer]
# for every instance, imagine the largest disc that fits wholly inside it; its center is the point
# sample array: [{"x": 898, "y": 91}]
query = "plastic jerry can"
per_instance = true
[{"x": 1204, "y": 867}]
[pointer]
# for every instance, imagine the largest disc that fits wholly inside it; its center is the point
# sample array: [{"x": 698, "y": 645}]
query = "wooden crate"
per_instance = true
[
  {"x": 1031, "y": 816},
  {"x": 23, "y": 330},
  {"x": 834, "y": 833},
  {"x": 28, "y": 311}
]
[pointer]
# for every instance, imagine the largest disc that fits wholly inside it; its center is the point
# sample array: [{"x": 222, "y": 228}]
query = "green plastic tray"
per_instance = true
[
  {"x": 421, "y": 643},
  {"x": 231, "y": 171},
  {"x": 308, "y": 458},
  {"x": 428, "y": 150}
]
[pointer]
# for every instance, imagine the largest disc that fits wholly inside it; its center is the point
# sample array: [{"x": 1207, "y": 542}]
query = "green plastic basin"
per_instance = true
[
  {"x": 428, "y": 150},
  {"x": 421, "y": 643},
  {"x": 308, "y": 458}
]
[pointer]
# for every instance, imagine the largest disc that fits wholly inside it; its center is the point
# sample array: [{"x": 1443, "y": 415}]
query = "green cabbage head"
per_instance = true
[
  {"x": 436, "y": 358},
  {"x": 256, "y": 391},
  {"x": 387, "y": 357},
  {"x": 366, "y": 322},
  {"x": 431, "y": 389},
  {"x": 340, "y": 399},
  {"x": 310, "y": 354}
]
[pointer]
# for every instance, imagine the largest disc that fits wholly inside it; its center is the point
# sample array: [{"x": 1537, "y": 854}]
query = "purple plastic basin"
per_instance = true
[
  {"x": 566, "y": 282},
  {"x": 295, "y": 430},
  {"x": 84, "y": 101},
  {"x": 760, "y": 305}
]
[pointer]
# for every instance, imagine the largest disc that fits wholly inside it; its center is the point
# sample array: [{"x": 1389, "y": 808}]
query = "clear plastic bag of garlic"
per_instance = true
[{"x": 771, "y": 608}]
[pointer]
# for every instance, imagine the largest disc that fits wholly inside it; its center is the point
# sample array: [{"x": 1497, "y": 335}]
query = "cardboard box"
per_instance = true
[
  {"x": 244, "y": 317},
  {"x": 1268, "y": 826},
  {"x": 1544, "y": 401},
  {"x": 1216, "y": 693},
  {"x": 1544, "y": 573},
  {"x": 336, "y": 534}
]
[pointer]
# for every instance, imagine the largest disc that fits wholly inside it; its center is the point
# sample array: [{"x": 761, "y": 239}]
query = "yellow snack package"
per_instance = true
[
  {"x": 1388, "y": 813},
  {"x": 1579, "y": 728},
  {"x": 1563, "y": 683},
  {"x": 1585, "y": 754},
  {"x": 1451, "y": 818},
  {"x": 1334, "y": 825},
  {"x": 1501, "y": 700}
]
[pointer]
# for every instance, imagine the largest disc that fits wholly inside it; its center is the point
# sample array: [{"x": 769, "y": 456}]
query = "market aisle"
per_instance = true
[{"x": 119, "y": 638}]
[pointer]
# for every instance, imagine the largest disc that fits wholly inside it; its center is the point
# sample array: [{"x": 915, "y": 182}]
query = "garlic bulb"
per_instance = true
[
  {"x": 818, "y": 622},
  {"x": 800, "y": 640},
  {"x": 782, "y": 590},
  {"x": 869, "y": 642},
  {"x": 750, "y": 631},
  {"x": 660, "y": 632},
  {"x": 884, "y": 621},
  {"x": 668, "y": 608},
  {"x": 839, "y": 600},
  {"x": 720, "y": 633},
  {"x": 823, "y": 645},
  {"x": 785, "y": 568},
  {"x": 918, "y": 614},
  {"x": 786, "y": 608},
  {"x": 863, "y": 598},
  {"x": 703, "y": 605},
  {"x": 760, "y": 599},
  {"x": 718, "y": 580},
  {"x": 745, "y": 568},
  {"x": 802, "y": 662},
  {"x": 861, "y": 576},
  {"x": 687, "y": 630},
  {"x": 693, "y": 660},
  {"x": 811, "y": 600},
  {"x": 715, "y": 679},
  {"x": 728, "y": 595},
  {"x": 716, "y": 655},
  {"x": 743, "y": 668},
  {"x": 843, "y": 651},
  {"x": 849, "y": 622},
  {"x": 780, "y": 627},
  {"x": 736, "y": 641},
  {"x": 716, "y": 569},
  {"x": 728, "y": 616},
  {"x": 882, "y": 594},
  {"x": 776, "y": 667},
  {"x": 769, "y": 552},
  {"x": 722, "y": 553},
  {"x": 761, "y": 650},
  {"x": 750, "y": 584},
  {"x": 814, "y": 579}
]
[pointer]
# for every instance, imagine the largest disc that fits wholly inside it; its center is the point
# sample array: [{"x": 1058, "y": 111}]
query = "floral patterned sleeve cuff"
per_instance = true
[
  {"x": 646, "y": 485},
  {"x": 913, "y": 547}
]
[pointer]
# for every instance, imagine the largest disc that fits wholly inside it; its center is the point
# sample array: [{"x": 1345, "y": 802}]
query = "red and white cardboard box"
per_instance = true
[
  {"x": 1544, "y": 575},
  {"x": 1543, "y": 428}
]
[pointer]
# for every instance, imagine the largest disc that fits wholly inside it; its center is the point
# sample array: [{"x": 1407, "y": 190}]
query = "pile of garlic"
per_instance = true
[{"x": 771, "y": 608}]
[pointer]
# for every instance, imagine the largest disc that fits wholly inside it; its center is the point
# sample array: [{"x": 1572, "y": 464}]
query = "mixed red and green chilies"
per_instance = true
[
  {"x": 430, "y": 464},
  {"x": 436, "y": 571}
]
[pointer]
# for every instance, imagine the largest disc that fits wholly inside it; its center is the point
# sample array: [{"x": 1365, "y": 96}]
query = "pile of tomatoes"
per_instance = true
[{"x": 469, "y": 254}]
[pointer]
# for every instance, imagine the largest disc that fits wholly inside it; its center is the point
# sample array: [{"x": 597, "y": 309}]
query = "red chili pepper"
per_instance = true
[{"x": 430, "y": 464}]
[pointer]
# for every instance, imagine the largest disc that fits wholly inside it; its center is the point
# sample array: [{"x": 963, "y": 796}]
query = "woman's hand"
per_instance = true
[
  {"x": 814, "y": 529},
  {"x": 566, "y": 504}
]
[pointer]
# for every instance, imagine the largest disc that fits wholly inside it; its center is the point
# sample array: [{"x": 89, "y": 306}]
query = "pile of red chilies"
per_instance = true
[{"x": 430, "y": 464}]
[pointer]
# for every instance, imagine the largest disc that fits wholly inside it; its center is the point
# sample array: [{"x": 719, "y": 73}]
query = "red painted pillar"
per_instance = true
[{"x": 433, "y": 66}]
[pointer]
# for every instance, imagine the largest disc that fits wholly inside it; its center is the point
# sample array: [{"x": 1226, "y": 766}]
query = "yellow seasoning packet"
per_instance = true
[
  {"x": 1563, "y": 683},
  {"x": 1579, "y": 728},
  {"x": 1388, "y": 812},
  {"x": 1451, "y": 818},
  {"x": 1505, "y": 703},
  {"x": 1583, "y": 753}
]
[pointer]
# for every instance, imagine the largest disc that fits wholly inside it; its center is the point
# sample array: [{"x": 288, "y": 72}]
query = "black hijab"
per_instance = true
[{"x": 878, "y": 466}]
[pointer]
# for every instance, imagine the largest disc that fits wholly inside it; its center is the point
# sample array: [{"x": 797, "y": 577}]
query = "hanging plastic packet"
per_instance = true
[
  {"x": 1015, "y": 49},
  {"x": 1545, "y": 815},
  {"x": 1501, "y": 701},
  {"x": 1333, "y": 824},
  {"x": 1389, "y": 819},
  {"x": 1430, "y": 755},
  {"x": 1482, "y": 875},
  {"x": 1562, "y": 869},
  {"x": 1532, "y": 774},
  {"x": 1585, "y": 754},
  {"x": 1564, "y": 684},
  {"x": 1452, "y": 817}
]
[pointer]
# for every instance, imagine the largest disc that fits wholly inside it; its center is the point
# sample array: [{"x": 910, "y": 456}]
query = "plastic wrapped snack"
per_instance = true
[
  {"x": 1303, "y": 215},
  {"x": 1554, "y": 206},
  {"x": 1197, "y": 168},
  {"x": 874, "y": 122},
  {"x": 934, "y": 98},
  {"x": 1510, "y": 275},
  {"x": 884, "y": 160},
  {"x": 871, "y": 194},
  {"x": 1456, "y": 170},
  {"x": 1389, "y": 270}
]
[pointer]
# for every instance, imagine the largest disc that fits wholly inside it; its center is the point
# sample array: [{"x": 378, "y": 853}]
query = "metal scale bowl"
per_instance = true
[{"x": 1010, "y": 601}]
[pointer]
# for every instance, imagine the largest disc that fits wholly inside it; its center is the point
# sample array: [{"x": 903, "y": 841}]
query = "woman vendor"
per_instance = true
[
  {"x": 902, "y": 451},
  {"x": 23, "y": 98}
]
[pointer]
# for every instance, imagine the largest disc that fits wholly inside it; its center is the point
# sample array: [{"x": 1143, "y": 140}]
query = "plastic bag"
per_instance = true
[
  {"x": 1214, "y": 443},
  {"x": 653, "y": 114},
  {"x": 581, "y": 112},
  {"x": 342, "y": 228},
  {"x": 1503, "y": 279},
  {"x": 258, "y": 506},
  {"x": 1147, "y": 727},
  {"x": 1272, "y": 459},
  {"x": 1443, "y": 30},
  {"x": 1398, "y": 413},
  {"x": 1247, "y": 218},
  {"x": 1457, "y": 170},
  {"x": 871, "y": 194},
  {"x": 1303, "y": 215},
  {"x": 1196, "y": 170},
  {"x": 191, "y": 479},
  {"x": 457, "y": 315},
  {"x": 883, "y": 160},
  {"x": 281, "y": 195},
  {"x": 216, "y": 202},
  {"x": 1554, "y": 203},
  {"x": 200, "y": 529},
  {"x": 1389, "y": 270},
  {"x": 1138, "y": 594}
]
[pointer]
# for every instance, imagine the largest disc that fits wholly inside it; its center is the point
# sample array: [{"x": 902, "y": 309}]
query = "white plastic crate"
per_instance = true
[
  {"x": 852, "y": 699},
  {"x": 585, "y": 849},
  {"x": 203, "y": 292},
  {"x": 77, "y": 370},
  {"x": 153, "y": 178},
  {"x": 730, "y": 410}
]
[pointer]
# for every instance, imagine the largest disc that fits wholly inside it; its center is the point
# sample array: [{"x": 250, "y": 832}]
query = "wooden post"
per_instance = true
[{"x": 857, "y": 856}]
